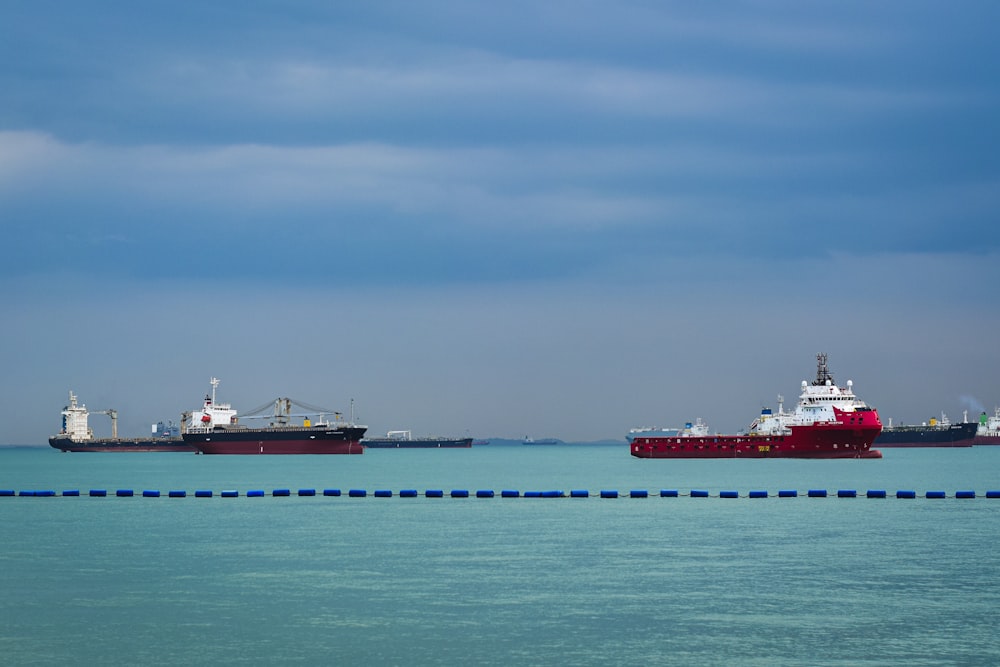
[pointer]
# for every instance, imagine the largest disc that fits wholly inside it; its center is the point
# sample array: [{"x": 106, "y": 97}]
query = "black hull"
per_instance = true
[
  {"x": 417, "y": 443},
  {"x": 953, "y": 435},
  {"x": 121, "y": 445}
]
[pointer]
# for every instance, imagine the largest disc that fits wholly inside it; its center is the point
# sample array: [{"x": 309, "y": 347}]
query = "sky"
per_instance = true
[{"x": 560, "y": 219}]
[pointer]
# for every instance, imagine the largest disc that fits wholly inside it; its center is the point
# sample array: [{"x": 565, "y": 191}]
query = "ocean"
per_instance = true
[{"x": 499, "y": 581}]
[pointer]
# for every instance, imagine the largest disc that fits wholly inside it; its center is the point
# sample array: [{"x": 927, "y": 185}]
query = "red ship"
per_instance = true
[
  {"x": 829, "y": 422},
  {"x": 215, "y": 429}
]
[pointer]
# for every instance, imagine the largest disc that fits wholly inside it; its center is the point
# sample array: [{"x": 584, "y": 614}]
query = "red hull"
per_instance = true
[
  {"x": 986, "y": 440},
  {"x": 924, "y": 445},
  {"x": 819, "y": 441}
]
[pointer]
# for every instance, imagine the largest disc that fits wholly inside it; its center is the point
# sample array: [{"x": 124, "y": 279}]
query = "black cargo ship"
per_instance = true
[{"x": 77, "y": 436}]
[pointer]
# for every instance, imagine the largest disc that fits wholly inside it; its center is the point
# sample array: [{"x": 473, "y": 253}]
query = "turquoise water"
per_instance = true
[{"x": 422, "y": 581}]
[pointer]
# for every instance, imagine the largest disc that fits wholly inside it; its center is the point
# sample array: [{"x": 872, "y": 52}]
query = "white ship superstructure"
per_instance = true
[
  {"x": 212, "y": 414},
  {"x": 822, "y": 402}
]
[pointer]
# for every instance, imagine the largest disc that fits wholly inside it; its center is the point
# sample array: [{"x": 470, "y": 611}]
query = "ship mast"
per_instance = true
[{"x": 822, "y": 371}]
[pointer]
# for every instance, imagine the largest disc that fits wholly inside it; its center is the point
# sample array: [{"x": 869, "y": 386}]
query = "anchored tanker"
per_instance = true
[
  {"x": 936, "y": 434},
  {"x": 829, "y": 422},
  {"x": 988, "y": 431},
  {"x": 405, "y": 440},
  {"x": 216, "y": 429}
]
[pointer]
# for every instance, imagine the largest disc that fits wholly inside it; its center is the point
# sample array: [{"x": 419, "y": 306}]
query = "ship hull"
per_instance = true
[
  {"x": 819, "y": 441},
  {"x": 954, "y": 435},
  {"x": 986, "y": 440},
  {"x": 122, "y": 445},
  {"x": 417, "y": 443},
  {"x": 289, "y": 440}
]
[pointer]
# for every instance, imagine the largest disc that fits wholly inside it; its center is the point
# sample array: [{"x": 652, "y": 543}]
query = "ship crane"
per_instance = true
[
  {"x": 114, "y": 420},
  {"x": 281, "y": 411}
]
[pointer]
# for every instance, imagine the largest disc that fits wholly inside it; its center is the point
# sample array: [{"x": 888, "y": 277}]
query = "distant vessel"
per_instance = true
[
  {"x": 829, "y": 422},
  {"x": 988, "y": 431},
  {"x": 480, "y": 443},
  {"x": 77, "y": 436},
  {"x": 215, "y": 429},
  {"x": 934, "y": 434},
  {"x": 405, "y": 440},
  {"x": 540, "y": 441}
]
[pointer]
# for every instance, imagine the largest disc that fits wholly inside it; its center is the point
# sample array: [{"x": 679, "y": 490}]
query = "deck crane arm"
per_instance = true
[{"x": 114, "y": 420}]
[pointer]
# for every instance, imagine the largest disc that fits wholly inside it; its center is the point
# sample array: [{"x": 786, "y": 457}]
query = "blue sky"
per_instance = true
[{"x": 559, "y": 219}]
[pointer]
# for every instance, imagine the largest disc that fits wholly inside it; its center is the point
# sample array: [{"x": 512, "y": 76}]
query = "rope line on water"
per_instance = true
[{"x": 505, "y": 493}]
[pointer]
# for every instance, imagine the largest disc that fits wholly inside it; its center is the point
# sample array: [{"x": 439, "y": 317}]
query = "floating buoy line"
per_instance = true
[{"x": 490, "y": 493}]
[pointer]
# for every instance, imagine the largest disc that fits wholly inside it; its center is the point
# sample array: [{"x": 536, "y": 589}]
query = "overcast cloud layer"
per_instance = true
[{"x": 563, "y": 219}]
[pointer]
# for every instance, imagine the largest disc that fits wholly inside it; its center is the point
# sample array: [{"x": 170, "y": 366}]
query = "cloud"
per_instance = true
[{"x": 542, "y": 208}]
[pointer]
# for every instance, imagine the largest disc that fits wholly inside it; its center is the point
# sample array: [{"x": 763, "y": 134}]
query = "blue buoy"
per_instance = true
[
  {"x": 506, "y": 493},
  {"x": 24, "y": 493},
  {"x": 7, "y": 492}
]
